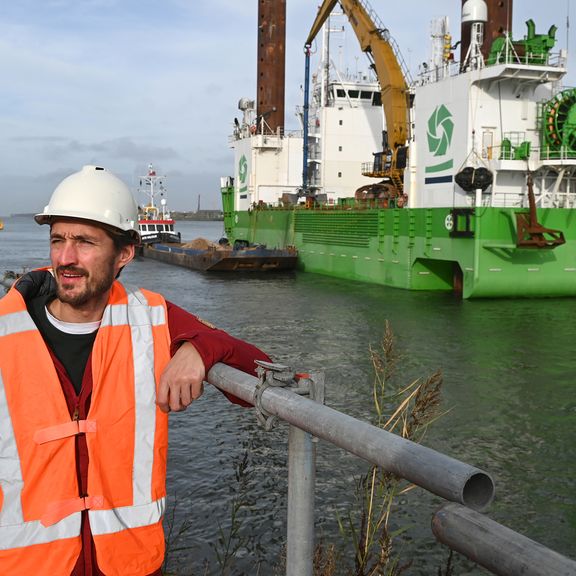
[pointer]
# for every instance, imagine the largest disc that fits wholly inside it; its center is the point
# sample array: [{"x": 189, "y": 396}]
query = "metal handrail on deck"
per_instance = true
[{"x": 278, "y": 395}]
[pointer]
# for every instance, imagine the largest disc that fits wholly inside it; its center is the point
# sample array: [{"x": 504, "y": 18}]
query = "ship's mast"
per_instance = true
[
  {"x": 151, "y": 185},
  {"x": 325, "y": 63},
  {"x": 441, "y": 48}
]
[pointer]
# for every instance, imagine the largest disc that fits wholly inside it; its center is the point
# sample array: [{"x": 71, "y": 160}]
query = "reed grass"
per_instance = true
[{"x": 412, "y": 409}]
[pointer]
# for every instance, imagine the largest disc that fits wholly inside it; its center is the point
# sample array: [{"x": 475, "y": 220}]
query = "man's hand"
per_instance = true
[{"x": 182, "y": 380}]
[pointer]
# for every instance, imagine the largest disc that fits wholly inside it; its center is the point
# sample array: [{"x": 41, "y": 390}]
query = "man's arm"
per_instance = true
[{"x": 195, "y": 347}]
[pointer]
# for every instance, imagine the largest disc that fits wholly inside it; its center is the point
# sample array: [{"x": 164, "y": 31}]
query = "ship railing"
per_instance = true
[
  {"x": 545, "y": 198},
  {"x": 298, "y": 399},
  {"x": 565, "y": 153},
  {"x": 253, "y": 130},
  {"x": 523, "y": 151},
  {"x": 558, "y": 59},
  {"x": 511, "y": 56},
  {"x": 429, "y": 75}
]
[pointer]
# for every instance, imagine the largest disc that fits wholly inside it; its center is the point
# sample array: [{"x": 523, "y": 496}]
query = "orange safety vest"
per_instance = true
[{"x": 126, "y": 435}]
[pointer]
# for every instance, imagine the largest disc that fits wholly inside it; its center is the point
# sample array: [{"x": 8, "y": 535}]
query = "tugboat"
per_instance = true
[{"x": 154, "y": 222}]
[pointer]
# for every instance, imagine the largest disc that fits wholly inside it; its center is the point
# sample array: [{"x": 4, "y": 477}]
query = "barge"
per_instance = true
[{"x": 216, "y": 258}]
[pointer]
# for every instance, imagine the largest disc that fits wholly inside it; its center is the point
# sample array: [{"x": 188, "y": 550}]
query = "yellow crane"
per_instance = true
[{"x": 392, "y": 76}]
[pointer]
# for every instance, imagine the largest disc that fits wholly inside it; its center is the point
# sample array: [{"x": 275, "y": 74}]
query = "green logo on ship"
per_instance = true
[
  {"x": 440, "y": 130},
  {"x": 243, "y": 173}
]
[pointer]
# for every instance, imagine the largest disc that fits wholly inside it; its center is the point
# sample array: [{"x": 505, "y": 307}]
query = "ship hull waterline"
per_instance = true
[{"x": 419, "y": 248}]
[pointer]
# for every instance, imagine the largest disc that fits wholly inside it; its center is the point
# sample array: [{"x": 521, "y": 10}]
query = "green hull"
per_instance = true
[{"x": 414, "y": 249}]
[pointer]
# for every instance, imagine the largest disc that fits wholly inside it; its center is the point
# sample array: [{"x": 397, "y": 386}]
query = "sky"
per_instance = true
[{"x": 125, "y": 83}]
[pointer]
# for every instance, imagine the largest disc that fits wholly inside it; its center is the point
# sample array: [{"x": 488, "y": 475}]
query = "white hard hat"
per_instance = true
[{"x": 94, "y": 194}]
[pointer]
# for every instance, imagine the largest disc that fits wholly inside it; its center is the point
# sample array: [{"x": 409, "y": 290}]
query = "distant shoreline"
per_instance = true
[{"x": 202, "y": 215}]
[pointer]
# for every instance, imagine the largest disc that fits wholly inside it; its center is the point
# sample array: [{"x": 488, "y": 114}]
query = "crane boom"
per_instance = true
[
  {"x": 388, "y": 65},
  {"x": 323, "y": 12}
]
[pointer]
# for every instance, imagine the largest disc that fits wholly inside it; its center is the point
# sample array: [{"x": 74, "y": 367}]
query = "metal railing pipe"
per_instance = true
[
  {"x": 431, "y": 470},
  {"x": 497, "y": 548},
  {"x": 300, "y": 522}
]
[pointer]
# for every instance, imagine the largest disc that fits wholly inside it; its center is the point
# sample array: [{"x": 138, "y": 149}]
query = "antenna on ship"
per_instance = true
[
  {"x": 151, "y": 185},
  {"x": 567, "y": 28},
  {"x": 441, "y": 48},
  {"x": 475, "y": 12}
]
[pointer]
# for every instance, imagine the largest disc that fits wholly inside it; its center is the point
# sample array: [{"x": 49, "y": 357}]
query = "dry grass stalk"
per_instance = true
[
  {"x": 324, "y": 560},
  {"x": 417, "y": 407}
]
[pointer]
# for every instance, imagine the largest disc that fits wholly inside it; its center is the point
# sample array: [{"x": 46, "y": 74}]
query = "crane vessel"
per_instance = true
[{"x": 463, "y": 179}]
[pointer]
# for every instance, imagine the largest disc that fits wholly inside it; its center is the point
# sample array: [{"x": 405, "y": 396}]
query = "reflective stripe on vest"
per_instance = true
[
  {"x": 14, "y": 531},
  {"x": 140, "y": 317},
  {"x": 16, "y": 322},
  {"x": 144, "y": 509},
  {"x": 110, "y": 521}
]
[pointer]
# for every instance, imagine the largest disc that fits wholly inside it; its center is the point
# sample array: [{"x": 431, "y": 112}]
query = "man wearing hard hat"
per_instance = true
[{"x": 89, "y": 369}]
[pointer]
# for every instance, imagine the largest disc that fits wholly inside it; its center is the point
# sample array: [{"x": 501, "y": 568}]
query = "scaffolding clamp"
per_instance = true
[{"x": 275, "y": 375}]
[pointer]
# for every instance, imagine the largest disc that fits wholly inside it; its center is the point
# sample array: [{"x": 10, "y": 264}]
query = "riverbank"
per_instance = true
[{"x": 200, "y": 215}]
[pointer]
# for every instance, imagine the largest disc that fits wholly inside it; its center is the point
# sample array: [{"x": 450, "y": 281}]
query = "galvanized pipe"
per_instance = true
[
  {"x": 301, "y": 481},
  {"x": 433, "y": 471},
  {"x": 497, "y": 548}
]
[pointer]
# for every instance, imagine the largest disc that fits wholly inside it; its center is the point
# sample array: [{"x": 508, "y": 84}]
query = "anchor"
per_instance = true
[{"x": 531, "y": 234}]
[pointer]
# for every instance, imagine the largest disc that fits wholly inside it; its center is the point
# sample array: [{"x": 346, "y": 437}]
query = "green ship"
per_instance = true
[{"x": 461, "y": 180}]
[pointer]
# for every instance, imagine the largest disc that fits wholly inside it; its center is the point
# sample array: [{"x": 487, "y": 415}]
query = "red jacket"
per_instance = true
[{"x": 213, "y": 345}]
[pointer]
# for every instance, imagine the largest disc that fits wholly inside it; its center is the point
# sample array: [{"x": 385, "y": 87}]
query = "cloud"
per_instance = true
[{"x": 118, "y": 148}]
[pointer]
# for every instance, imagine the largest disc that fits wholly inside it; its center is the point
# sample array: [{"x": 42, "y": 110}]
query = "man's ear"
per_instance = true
[{"x": 126, "y": 255}]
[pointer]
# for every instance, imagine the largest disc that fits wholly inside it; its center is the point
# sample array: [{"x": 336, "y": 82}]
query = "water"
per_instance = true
[{"x": 508, "y": 381}]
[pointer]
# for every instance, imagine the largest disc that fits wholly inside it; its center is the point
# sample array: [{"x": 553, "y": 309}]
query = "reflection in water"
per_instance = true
[{"x": 508, "y": 380}]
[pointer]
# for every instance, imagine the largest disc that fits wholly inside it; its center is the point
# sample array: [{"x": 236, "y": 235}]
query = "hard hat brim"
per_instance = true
[{"x": 114, "y": 230}]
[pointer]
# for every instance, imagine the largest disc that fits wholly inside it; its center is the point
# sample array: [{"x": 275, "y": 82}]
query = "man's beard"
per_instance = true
[{"x": 94, "y": 288}]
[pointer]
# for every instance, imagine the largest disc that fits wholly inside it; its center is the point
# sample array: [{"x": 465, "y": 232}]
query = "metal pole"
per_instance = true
[
  {"x": 305, "y": 119},
  {"x": 433, "y": 471},
  {"x": 301, "y": 480},
  {"x": 497, "y": 548}
]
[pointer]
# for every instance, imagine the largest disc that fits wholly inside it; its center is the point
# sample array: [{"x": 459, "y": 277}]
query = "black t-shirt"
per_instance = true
[{"x": 73, "y": 350}]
